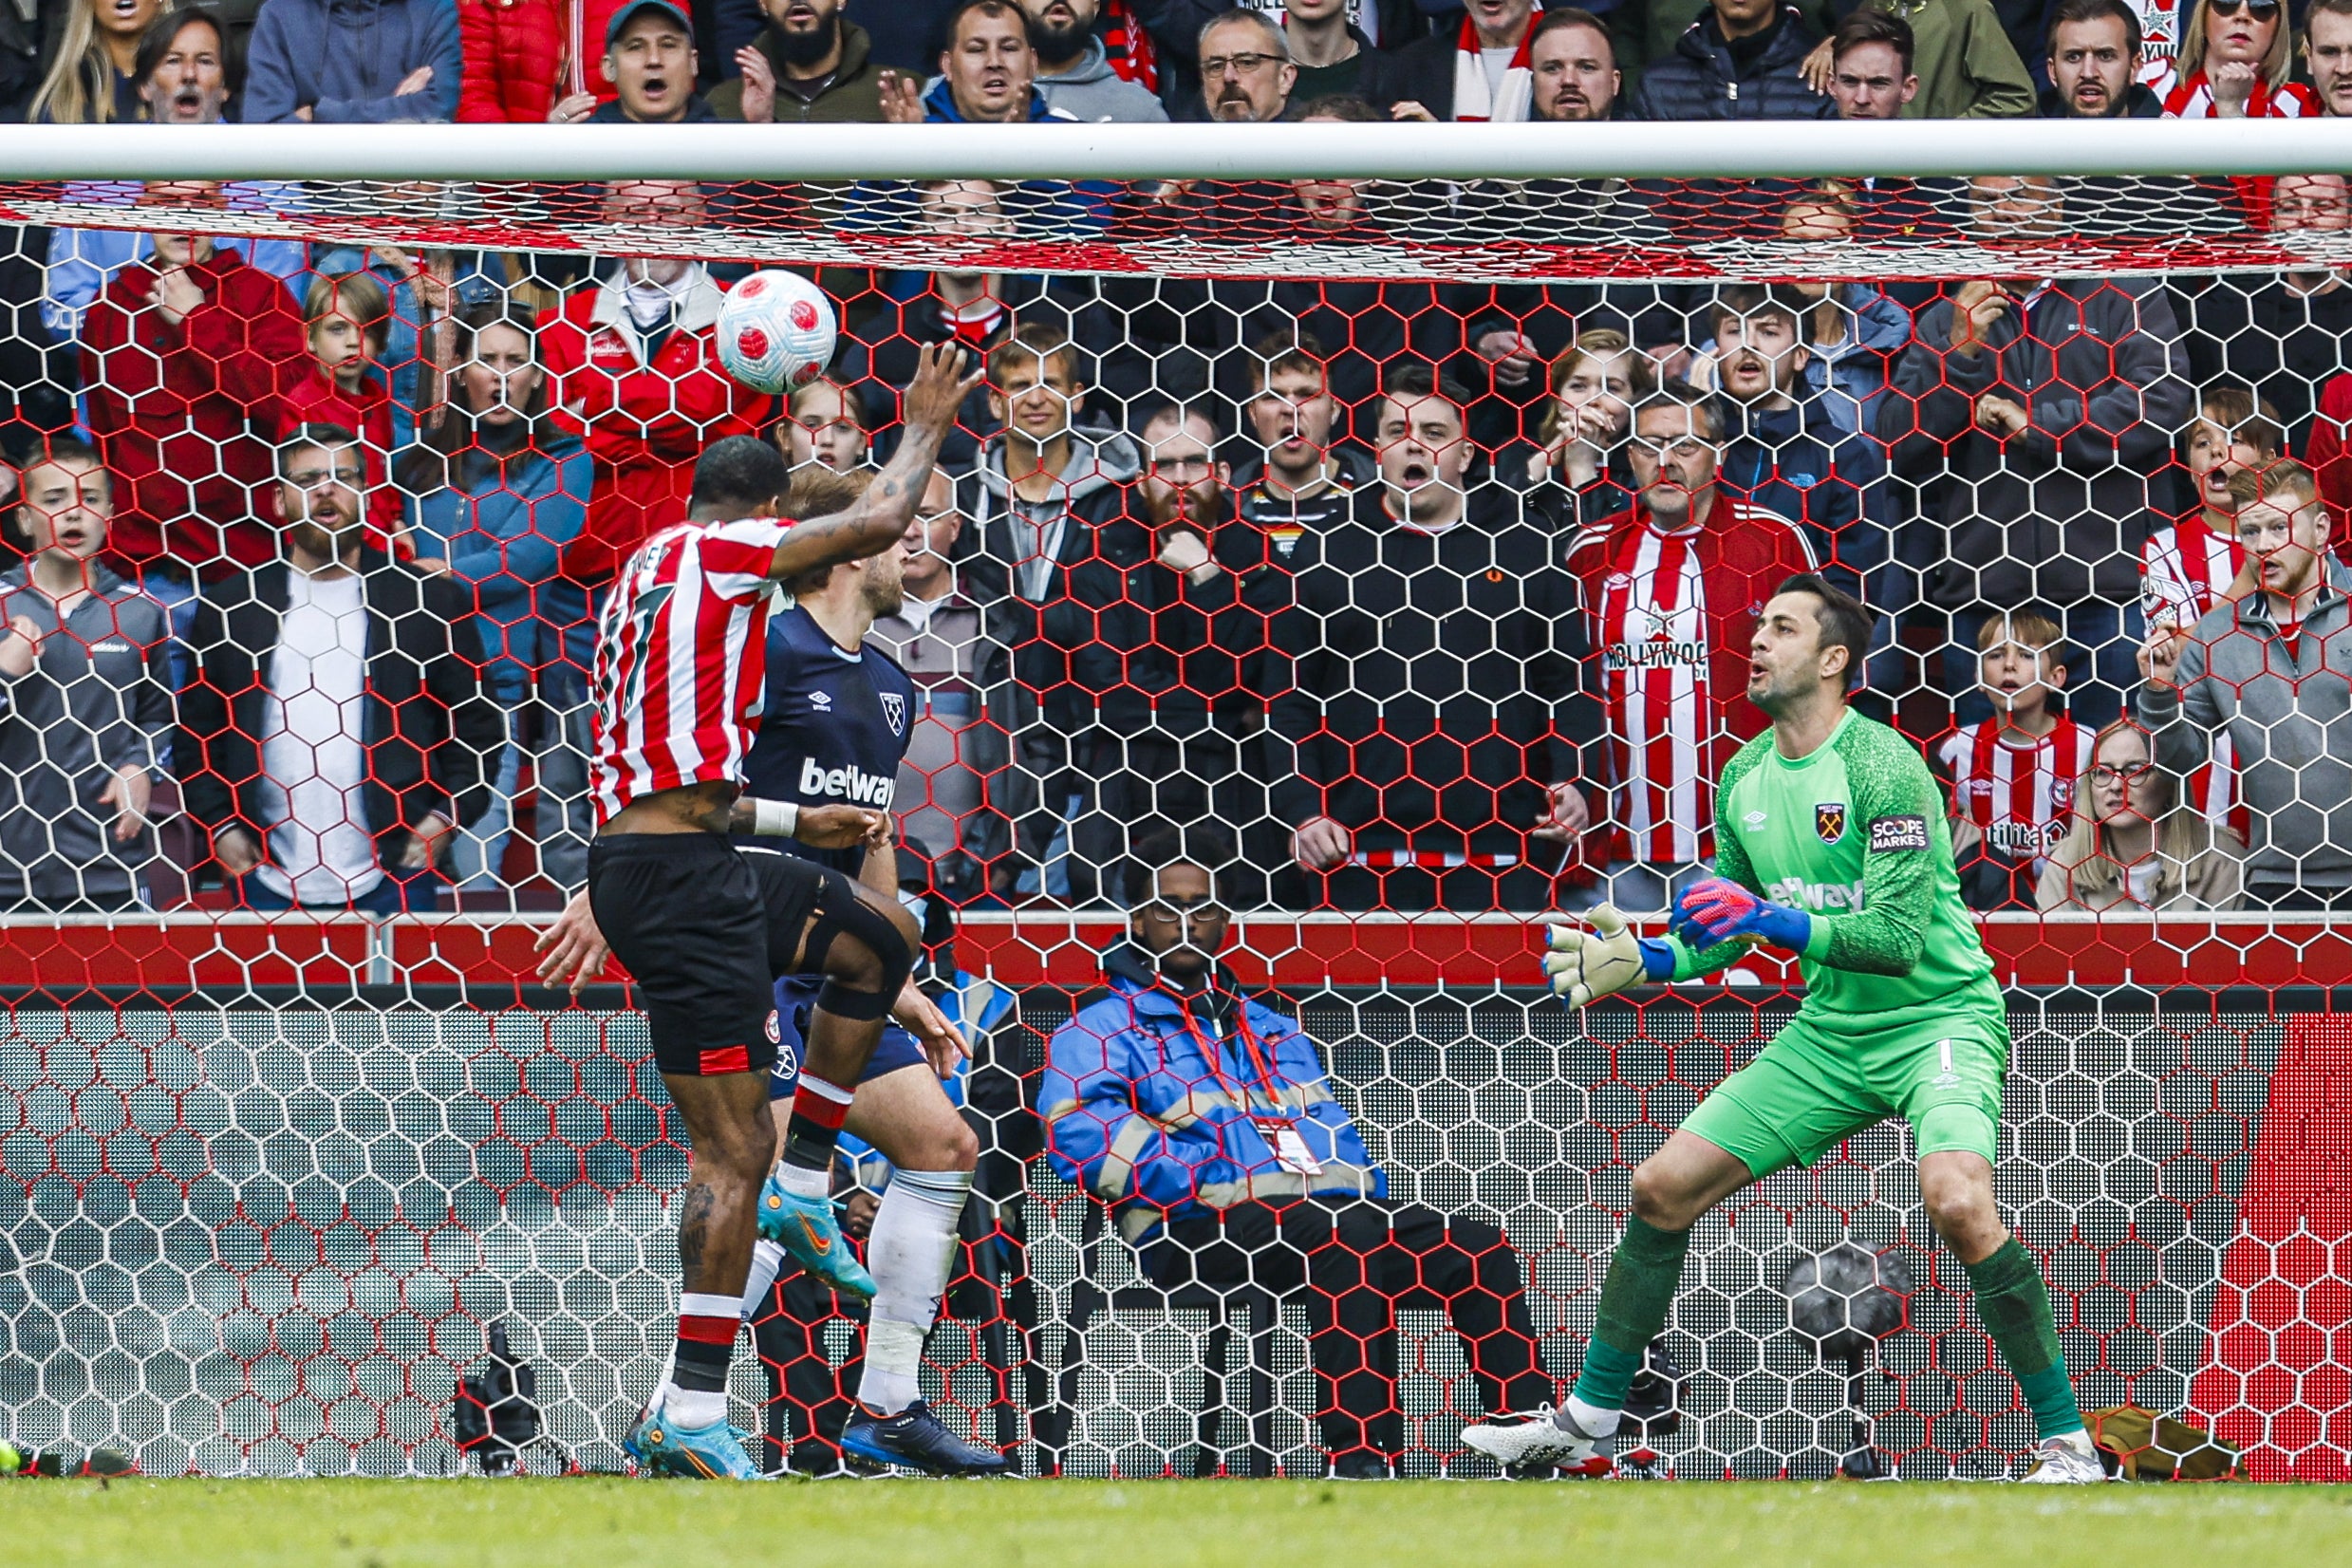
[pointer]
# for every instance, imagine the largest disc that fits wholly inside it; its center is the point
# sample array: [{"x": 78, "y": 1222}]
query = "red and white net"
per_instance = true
[{"x": 271, "y": 1177}]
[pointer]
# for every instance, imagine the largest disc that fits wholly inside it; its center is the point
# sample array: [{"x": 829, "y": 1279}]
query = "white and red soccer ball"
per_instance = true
[{"x": 775, "y": 331}]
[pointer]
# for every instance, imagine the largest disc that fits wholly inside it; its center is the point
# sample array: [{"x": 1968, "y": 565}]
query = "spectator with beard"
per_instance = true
[
  {"x": 1205, "y": 667},
  {"x": 650, "y": 58},
  {"x": 85, "y": 700},
  {"x": 2328, "y": 50},
  {"x": 1431, "y": 735},
  {"x": 808, "y": 65},
  {"x": 2096, "y": 62},
  {"x": 1967, "y": 68},
  {"x": 977, "y": 309},
  {"x": 956, "y": 751},
  {"x": 1480, "y": 72},
  {"x": 1306, "y": 479},
  {"x": 1072, "y": 70},
  {"x": 1049, "y": 556},
  {"x": 310, "y": 800},
  {"x": 501, "y": 490},
  {"x": 181, "y": 76},
  {"x": 1579, "y": 475},
  {"x": 1783, "y": 451},
  {"x": 1740, "y": 60},
  {"x": 1674, "y": 660},
  {"x": 1246, "y": 74},
  {"x": 1574, "y": 68}
]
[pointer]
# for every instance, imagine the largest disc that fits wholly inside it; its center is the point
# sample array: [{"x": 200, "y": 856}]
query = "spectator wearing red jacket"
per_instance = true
[
  {"x": 636, "y": 372},
  {"x": 184, "y": 355},
  {"x": 523, "y": 57},
  {"x": 346, "y": 321},
  {"x": 1673, "y": 586}
]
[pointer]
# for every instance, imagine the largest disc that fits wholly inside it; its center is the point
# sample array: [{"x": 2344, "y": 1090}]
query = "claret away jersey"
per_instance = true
[{"x": 1855, "y": 835}]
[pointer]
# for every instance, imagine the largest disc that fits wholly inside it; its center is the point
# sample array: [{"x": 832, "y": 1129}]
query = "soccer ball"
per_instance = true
[{"x": 775, "y": 331}]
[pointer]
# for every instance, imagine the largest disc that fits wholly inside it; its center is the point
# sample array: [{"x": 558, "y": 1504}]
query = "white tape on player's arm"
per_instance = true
[{"x": 775, "y": 818}]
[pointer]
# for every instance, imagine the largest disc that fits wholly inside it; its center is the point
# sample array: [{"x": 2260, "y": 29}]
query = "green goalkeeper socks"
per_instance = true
[
  {"x": 1633, "y": 1302},
  {"x": 2015, "y": 1306}
]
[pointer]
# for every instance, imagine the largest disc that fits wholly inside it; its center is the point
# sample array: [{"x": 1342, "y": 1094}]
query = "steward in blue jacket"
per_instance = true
[{"x": 1207, "y": 1123}]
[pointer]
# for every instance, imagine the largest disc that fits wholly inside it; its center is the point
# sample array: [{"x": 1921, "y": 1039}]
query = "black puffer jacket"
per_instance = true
[{"x": 1702, "y": 81}]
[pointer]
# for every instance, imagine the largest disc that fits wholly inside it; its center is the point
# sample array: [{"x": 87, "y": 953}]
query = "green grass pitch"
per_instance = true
[{"x": 615, "y": 1523}]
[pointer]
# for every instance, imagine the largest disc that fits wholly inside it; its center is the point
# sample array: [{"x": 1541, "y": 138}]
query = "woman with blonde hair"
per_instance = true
[
  {"x": 94, "y": 80},
  {"x": 2235, "y": 57},
  {"x": 1578, "y": 476},
  {"x": 2131, "y": 845}
]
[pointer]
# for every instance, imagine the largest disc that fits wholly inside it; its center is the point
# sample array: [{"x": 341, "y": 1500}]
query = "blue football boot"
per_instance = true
[
  {"x": 811, "y": 1231},
  {"x": 915, "y": 1439},
  {"x": 707, "y": 1454}
]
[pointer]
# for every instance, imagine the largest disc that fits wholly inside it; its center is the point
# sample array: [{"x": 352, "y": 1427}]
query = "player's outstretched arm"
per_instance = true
[
  {"x": 874, "y": 522},
  {"x": 1585, "y": 965}
]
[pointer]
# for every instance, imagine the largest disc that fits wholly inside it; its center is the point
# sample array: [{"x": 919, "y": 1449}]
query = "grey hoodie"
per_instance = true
[
  {"x": 2289, "y": 716},
  {"x": 98, "y": 700},
  {"x": 1090, "y": 91}
]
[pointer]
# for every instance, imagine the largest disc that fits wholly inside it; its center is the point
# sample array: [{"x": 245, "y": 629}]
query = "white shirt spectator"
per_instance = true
[{"x": 312, "y": 759}]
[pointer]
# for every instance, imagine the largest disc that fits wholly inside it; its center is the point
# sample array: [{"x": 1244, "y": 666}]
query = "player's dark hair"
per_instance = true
[
  {"x": 1844, "y": 619},
  {"x": 738, "y": 475}
]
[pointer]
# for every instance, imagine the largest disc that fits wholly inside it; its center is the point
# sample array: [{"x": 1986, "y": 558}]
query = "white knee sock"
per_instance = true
[
  {"x": 767, "y": 1263},
  {"x": 913, "y": 1242}
]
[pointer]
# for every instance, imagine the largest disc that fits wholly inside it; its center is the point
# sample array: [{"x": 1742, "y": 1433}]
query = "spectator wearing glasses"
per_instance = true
[
  {"x": 1206, "y": 1122},
  {"x": 2132, "y": 844},
  {"x": 2237, "y": 62},
  {"x": 2257, "y": 669},
  {"x": 336, "y": 731},
  {"x": 2098, "y": 63},
  {"x": 1246, "y": 74},
  {"x": 85, "y": 700}
]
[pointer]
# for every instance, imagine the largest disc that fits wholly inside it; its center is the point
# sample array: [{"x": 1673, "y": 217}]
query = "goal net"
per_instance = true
[{"x": 1374, "y": 517}]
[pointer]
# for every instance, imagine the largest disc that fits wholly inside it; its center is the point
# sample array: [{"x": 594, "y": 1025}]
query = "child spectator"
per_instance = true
[
  {"x": 2013, "y": 775},
  {"x": 2132, "y": 844},
  {"x": 85, "y": 706},
  {"x": 346, "y": 321},
  {"x": 824, "y": 425}
]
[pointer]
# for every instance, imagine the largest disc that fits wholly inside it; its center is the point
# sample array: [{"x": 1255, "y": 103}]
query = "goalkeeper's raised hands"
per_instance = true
[
  {"x": 1585, "y": 965},
  {"x": 1717, "y": 912}
]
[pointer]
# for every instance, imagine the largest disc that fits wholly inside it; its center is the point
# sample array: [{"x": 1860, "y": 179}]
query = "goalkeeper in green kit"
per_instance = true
[{"x": 1832, "y": 843}]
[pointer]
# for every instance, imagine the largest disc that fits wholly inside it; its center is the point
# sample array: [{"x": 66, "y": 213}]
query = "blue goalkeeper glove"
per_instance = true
[{"x": 1717, "y": 912}]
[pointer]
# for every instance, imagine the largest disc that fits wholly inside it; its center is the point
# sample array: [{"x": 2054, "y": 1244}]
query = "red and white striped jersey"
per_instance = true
[
  {"x": 681, "y": 659},
  {"x": 1654, "y": 649},
  {"x": 2020, "y": 797},
  {"x": 2185, "y": 567},
  {"x": 2193, "y": 99}
]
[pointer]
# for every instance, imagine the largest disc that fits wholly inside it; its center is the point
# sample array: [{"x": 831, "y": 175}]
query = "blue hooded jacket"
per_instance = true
[
  {"x": 344, "y": 57},
  {"x": 1136, "y": 1111},
  {"x": 503, "y": 534}
]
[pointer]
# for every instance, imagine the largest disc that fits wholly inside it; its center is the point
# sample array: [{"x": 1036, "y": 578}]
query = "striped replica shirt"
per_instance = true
[
  {"x": 2185, "y": 567},
  {"x": 1673, "y": 613},
  {"x": 681, "y": 659},
  {"x": 2193, "y": 99},
  {"x": 2020, "y": 797}
]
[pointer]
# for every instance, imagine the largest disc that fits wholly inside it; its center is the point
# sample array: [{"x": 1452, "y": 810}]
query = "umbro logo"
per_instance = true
[
  {"x": 821, "y": 700},
  {"x": 1754, "y": 819}
]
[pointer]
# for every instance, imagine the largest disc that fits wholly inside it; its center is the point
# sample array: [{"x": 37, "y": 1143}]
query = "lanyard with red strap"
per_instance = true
[{"x": 1279, "y": 1129}]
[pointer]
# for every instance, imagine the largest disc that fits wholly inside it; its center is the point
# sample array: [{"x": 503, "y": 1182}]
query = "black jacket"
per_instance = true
[
  {"x": 2058, "y": 512},
  {"x": 1437, "y": 680},
  {"x": 431, "y": 733},
  {"x": 2139, "y": 103},
  {"x": 1422, "y": 72},
  {"x": 1702, "y": 80}
]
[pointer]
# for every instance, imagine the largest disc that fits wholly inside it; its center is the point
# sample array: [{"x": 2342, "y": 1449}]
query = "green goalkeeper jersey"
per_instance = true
[{"x": 1855, "y": 835}]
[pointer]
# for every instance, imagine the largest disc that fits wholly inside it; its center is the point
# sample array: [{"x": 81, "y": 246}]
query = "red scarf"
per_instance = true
[{"x": 1473, "y": 102}]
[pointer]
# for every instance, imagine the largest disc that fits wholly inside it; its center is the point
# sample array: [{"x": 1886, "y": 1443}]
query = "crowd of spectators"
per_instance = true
[{"x": 1431, "y": 595}]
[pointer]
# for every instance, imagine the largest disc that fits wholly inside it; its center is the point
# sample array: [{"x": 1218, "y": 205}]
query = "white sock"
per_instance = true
[
  {"x": 767, "y": 1263},
  {"x": 1590, "y": 1419},
  {"x": 693, "y": 1408},
  {"x": 914, "y": 1240},
  {"x": 803, "y": 1183}
]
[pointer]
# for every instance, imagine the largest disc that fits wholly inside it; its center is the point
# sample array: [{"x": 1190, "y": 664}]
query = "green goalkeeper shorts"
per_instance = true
[{"x": 1827, "y": 1077}]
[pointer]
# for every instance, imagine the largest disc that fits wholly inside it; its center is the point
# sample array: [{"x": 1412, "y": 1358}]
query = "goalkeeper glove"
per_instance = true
[
  {"x": 1717, "y": 912},
  {"x": 1584, "y": 966}
]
